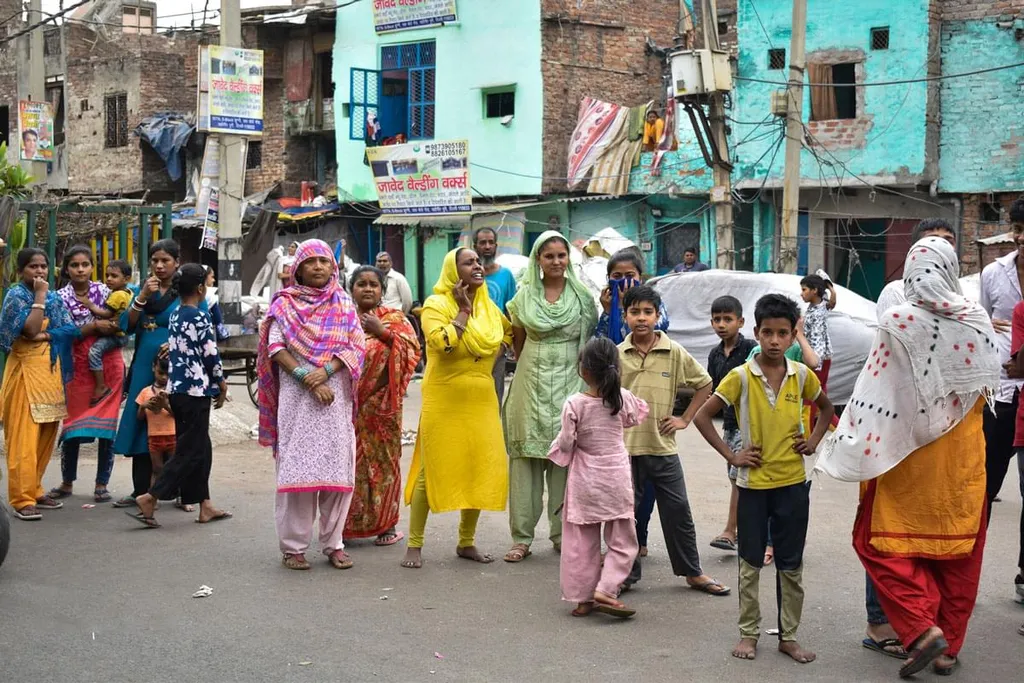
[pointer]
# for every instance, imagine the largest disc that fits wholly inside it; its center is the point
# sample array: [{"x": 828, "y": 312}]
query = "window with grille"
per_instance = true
[
  {"x": 880, "y": 38},
  {"x": 421, "y": 103},
  {"x": 777, "y": 58},
  {"x": 117, "y": 120},
  {"x": 399, "y": 97},
  {"x": 253, "y": 155},
  {"x": 499, "y": 104}
]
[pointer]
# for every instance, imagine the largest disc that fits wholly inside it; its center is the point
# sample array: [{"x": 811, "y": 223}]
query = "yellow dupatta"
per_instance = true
[{"x": 485, "y": 329}]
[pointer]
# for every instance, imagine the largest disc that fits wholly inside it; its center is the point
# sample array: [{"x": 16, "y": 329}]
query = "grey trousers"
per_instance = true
[
  {"x": 499, "y": 377},
  {"x": 666, "y": 474}
]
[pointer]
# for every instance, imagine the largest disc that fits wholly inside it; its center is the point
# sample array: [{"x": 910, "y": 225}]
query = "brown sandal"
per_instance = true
[
  {"x": 340, "y": 560},
  {"x": 518, "y": 553},
  {"x": 295, "y": 562}
]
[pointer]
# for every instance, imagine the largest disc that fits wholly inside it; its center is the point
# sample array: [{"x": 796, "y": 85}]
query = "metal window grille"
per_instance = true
[
  {"x": 880, "y": 38},
  {"x": 253, "y": 155},
  {"x": 421, "y": 103},
  {"x": 777, "y": 58},
  {"x": 364, "y": 100},
  {"x": 116, "y": 120}
]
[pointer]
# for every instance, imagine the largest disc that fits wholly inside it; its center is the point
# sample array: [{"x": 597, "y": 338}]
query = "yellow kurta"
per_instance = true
[
  {"x": 33, "y": 406},
  {"x": 930, "y": 505},
  {"x": 459, "y": 444}
]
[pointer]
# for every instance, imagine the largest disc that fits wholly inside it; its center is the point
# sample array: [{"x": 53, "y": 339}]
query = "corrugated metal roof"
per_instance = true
[
  {"x": 588, "y": 198},
  {"x": 1005, "y": 238}
]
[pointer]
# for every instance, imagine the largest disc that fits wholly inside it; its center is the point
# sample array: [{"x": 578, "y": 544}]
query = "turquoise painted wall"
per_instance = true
[
  {"x": 982, "y": 134},
  {"x": 493, "y": 44}
]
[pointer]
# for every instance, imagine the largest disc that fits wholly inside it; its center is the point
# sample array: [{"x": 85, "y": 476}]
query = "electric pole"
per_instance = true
[
  {"x": 786, "y": 240},
  {"x": 32, "y": 79},
  {"x": 721, "y": 193},
  {"x": 232, "y": 170}
]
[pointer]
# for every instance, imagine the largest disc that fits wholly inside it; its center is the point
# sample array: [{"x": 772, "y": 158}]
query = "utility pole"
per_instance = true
[
  {"x": 721, "y": 193},
  {"x": 786, "y": 238},
  {"x": 232, "y": 151},
  {"x": 32, "y": 78}
]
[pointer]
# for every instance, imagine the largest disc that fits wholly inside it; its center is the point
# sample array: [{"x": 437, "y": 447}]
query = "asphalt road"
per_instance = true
[{"x": 87, "y": 595}]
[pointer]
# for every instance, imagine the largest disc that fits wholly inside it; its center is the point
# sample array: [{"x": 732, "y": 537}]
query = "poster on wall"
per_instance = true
[
  {"x": 212, "y": 225},
  {"x": 428, "y": 178},
  {"x": 35, "y": 126},
  {"x": 401, "y": 15},
  {"x": 236, "y": 91}
]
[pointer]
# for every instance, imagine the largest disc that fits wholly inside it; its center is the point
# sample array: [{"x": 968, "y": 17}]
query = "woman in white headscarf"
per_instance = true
[{"x": 912, "y": 434}]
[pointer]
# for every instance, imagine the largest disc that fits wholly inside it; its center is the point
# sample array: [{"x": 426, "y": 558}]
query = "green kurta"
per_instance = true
[{"x": 546, "y": 375}]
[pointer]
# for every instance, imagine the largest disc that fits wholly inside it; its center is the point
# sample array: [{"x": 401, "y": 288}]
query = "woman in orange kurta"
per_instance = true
[
  {"x": 920, "y": 527},
  {"x": 392, "y": 352}
]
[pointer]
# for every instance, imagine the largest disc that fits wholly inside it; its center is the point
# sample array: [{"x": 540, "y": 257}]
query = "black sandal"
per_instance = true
[
  {"x": 149, "y": 522},
  {"x": 919, "y": 658},
  {"x": 946, "y": 670}
]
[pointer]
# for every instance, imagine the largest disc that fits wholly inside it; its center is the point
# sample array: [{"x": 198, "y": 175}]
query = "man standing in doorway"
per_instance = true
[
  {"x": 690, "y": 263},
  {"x": 1001, "y": 285},
  {"x": 397, "y": 293},
  {"x": 501, "y": 285}
]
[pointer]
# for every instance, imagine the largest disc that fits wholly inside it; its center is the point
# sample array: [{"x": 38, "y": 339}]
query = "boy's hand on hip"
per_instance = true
[
  {"x": 803, "y": 446},
  {"x": 748, "y": 457},
  {"x": 670, "y": 425}
]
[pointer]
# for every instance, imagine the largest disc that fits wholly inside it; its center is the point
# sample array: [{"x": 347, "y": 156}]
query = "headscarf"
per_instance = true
[
  {"x": 939, "y": 344},
  {"x": 62, "y": 330},
  {"x": 484, "y": 329},
  {"x": 534, "y": 312},
  {"x": 319, "y": 324}
]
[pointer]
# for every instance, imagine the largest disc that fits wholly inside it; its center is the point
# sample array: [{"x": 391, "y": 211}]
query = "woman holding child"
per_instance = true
[
  {"x": 88, "y": 420},
  {"x": 553, "y": 316}
]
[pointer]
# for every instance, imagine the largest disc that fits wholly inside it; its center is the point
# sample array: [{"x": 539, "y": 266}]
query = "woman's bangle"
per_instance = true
[
  {"x": 40, "y": 307},
  {"x": 458, "y": 325},
  {"x": 329, "y": 368},
  {"x": 136, "y": 307},
  {"x": 300, "y": 373}
]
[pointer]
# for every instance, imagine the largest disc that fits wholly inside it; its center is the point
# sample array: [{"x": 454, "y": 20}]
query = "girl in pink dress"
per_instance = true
[{"x": 599, "y": 489}]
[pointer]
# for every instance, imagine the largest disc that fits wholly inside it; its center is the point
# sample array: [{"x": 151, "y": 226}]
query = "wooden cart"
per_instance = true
[{"x": 242, "y": 348}]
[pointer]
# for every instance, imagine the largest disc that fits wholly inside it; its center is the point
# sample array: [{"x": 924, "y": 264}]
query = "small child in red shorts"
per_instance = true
[{"x": 155, "y": 410}]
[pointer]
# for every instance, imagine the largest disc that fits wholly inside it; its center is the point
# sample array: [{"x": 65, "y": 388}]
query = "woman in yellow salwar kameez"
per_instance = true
[
  {"x": 912, "y": 434},
  {"x": 34, "y": 325},
  {"x": 459, "y": 461}
]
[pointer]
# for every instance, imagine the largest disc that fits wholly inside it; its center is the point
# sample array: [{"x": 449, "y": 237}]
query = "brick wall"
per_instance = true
[
  {"x": 9, "y": 71},
  {"x": 978, "y": 221},
  {"x": 952, "y": 10},
  {"x": 598, "y": 51}
]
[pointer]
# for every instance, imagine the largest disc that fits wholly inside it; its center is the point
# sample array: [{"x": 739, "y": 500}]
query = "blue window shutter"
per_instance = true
[
  {"x": 421, "y": 103},
  {"x": 364, "y": 91}
]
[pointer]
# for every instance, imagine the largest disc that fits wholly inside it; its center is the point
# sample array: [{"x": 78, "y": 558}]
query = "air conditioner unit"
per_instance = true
[{"x": 700, "y": 72}]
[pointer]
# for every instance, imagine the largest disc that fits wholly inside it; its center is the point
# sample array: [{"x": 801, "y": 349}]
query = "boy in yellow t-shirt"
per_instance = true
[
  {"x": 768, "y": 394},
  {"x": 120, "y": 298}
]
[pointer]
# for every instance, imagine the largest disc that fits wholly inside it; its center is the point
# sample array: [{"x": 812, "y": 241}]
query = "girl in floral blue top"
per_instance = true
[{"x": 196, "y": 377}]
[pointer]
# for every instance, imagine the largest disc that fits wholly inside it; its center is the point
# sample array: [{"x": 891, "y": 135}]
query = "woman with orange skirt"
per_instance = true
[{"x": 920, "y": 455}]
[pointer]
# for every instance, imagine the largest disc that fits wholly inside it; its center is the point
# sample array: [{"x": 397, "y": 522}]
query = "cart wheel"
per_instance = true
[{"x": 252, "y": 381}]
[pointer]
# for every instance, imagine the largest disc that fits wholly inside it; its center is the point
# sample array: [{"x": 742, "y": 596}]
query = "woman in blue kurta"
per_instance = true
[{"x": 148, "y": 318}]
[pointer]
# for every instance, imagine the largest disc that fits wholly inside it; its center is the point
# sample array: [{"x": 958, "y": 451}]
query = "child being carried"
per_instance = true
[{"x": 118, "y": 274}]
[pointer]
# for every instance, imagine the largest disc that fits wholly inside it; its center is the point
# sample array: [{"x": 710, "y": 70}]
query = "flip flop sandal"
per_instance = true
[
  {"x": 918, "y": 659},
  {"x": 57, "y": 493},
  {"x": 1021, "y": 630},
  {"x": 148, "y": 522},
  {"x": 48, "y": 503},
  {"x": 578, "y": 612},
  {"x": 125, "y": 502},
  {"x": 706, "y": 588},
  {"x": 724, "y": 543},
  {"x": 100, "y": 495},
  {"x": 880, "y": 646},
  {"x": 29, "y": 513},
  {"x": 339, "y": 559},
  {"x": 216, "y": 518},
  {"x": 518, "y": 553},
  {"x": 946, "y": 670},
  {"x": 620, "y": 612},
  {"x": 389, "y": 539},
  {"x": 295, "y": 562}
]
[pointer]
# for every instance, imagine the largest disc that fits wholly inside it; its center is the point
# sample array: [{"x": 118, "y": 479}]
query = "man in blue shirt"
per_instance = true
[{"x": 501, "y": 285}]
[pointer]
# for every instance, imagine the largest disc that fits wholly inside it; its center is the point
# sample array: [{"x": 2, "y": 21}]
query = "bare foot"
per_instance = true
[
  {"x": 746, "y": 649},
  {"x": 413, "y": 558},
  {"x": 470, "y": 552},
  {"x": 944, "y": 665},
  {"x": 793, "y": 649},
  {"x": 583, "y": 609},
  {"x": 146, "y": 504}
]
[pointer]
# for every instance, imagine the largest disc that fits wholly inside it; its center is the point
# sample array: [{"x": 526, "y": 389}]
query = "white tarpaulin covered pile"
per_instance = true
[{"x": 688, "y": 298}]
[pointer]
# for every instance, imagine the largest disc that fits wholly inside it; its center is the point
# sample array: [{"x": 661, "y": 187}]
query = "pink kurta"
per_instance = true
[{"x": 590, "y": 444}]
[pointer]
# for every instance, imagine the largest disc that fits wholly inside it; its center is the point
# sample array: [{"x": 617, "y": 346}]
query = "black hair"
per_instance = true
[
  {"x": 169, "y": 246},
  {"x": 156, "y": 306},
  {"x": 162, "y": 362},
  {"x": 30, "y": 131},
  {"x": 622, "y": 256},
  {"x": 70, "y": 254},
  {"x": 600, "y": 359},
  {"x": 478, "y": 231},
  {"x": 121, "y": 265},
  {"x": 690, "y": 250},
  {"x": 930, "y": 225},
  {"x": 368, "y": 269},
  {"x": 26, "y": 255},
  {"x": 772, "y": 306},
  {"x": 1017, "y": 211},
  {"x": 815, "y": 282},
  {"x": 727, "y": 304},
  {"x": 641, "y": 294},
  {"x": 191, "y": 277}
]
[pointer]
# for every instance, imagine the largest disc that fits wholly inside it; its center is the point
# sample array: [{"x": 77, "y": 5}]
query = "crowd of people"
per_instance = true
[{"x": 588, "y": 424}]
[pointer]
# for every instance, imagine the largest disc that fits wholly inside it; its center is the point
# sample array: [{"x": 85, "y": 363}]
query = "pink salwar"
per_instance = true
[
  {"x": 581, "y": 571},
  {"x": 295, "y": 514}
]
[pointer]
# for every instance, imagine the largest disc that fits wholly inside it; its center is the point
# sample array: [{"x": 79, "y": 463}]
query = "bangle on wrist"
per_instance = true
[
  {"x": 40, "y": 307},
  {"x": 300, "y": 373},
  {"x": 329, "y": 368}
]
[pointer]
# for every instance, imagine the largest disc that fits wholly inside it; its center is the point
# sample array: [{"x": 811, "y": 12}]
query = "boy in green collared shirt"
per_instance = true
[
  {"x": 654, "y": 368},
  {"x": 768, "y": 393}
]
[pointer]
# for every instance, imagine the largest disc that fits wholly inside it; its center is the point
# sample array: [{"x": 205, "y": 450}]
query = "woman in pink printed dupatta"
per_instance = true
[{"x": 310, "y": 357}]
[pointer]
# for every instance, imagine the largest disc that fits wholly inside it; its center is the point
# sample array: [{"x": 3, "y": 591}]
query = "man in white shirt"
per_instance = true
[
  {"x": 1001, "y": 285},
  {"x": 397, "y": 293}
]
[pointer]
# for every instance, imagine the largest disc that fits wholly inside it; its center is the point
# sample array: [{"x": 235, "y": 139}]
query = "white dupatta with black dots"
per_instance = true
[{"x": 933, "y": 357}]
